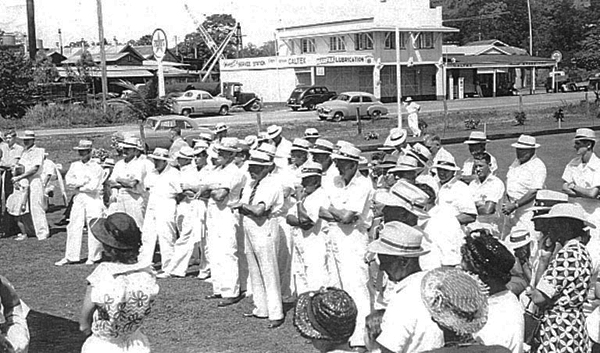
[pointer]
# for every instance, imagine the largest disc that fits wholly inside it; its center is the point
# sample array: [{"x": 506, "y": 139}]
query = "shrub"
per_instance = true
[
  {"x": 559, "y": 115},
  {"x": 67, "y": 115},
  {"x": 423, "y": 126},
  {"x": 472, "y": 124},
  {"x": 520, "y": 118}
]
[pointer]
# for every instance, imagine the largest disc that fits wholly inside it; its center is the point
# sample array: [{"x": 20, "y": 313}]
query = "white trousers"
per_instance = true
[
  {"x": 36, "y": 207},
  {"x": 261, "y": 253},
  {"x": 201, "y": 239},
  {"x": 309, "y": 264},
  {"x": 159, "y": 223},
  {"x": 349, "y": 248},
  {"x": 130, "y": 203},
  {"x": 413, "y": 124},
  {"x": 223, "y": 247},
  {"x": 519, "y": 219},
  {"x": 188, "y": 224},
  {"x": 85, "y": 208},
  {"x": 285, "y": 248}
]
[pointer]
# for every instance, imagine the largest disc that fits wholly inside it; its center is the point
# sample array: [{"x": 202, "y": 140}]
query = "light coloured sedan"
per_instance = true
[
  {"x": 345, "y": 106},
  {"x": 199, "y": 102}
]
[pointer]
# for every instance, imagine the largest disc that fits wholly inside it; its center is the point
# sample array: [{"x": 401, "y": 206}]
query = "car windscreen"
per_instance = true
[
  {"x": 297, "y": 92},
  {"x": 150, "y": 123},
  {"x": 343, "y": 97}
]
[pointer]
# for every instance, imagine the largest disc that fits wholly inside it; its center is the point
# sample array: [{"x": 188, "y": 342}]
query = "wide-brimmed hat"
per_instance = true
[
  {"x": 311, "y": 132},
  {"x": 108, "y": 163},
  {"x": 28, "y": 135},
  {"x": 185, "y": 152},
  {"x": 420, "y": 152},
  {"x": 130, "y": 142},
  {"x": 251, "y": 141},
  {"x": 260, "y": 158},
  {"x": 341, "y": 143},
  {"x": 455, "y": 299},
  {"x": 388, "y": 162},
  {"x": 160, "y": 153},
  {"x": 220, "y": 127},
  {"x": 83, "y": 145},
  {"x": 300, "y": 144},
  {"x": 585, "y": 134},
  {"x": 396, "y": 137},
  {"x": 399, "y": 239},
  {"x": 545, "y": 199},
  {"x": 567, "y": 210},
  {"x": 205, "y": 136},
  {"x": 525, "y": 142},
  {"x": 267, "y": 148},
  {"x": 363, "y": 163},
  {"x": 477, "y": 137},
  {"x": 262, "y": 136},
  {"x": 229, "y": 144},
  {"x": 446, "y": 163},
  {"x": 488, "y": 256},
  {"x": 347, "y": 152},
  {"x": 322, "y": 146},
  {"x": 406, "y": 164},
  {"x": 311, "y": 168},
  {"x": 408, "y": 99},
  {"x": 518, "y": 238},
  {"x": 118, "y": 231},
  {"x": 274, "y": 131},
  {"x": 327, "y": 314},
  {"x": 200, "y": 145},
  {"x": 406, "y": 195}
]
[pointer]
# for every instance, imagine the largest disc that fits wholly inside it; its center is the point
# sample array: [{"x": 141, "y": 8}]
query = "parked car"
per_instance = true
[
  {"x": 344, "y": 106},
  {"x": 565, "y": 83},
  {"x": 308, "y": 97},
  {"x": 156, "y": 130},
  {"x": 199, "y": 102}
]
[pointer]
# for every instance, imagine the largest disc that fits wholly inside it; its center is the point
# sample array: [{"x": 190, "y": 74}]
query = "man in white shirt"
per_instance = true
[
  {"x": 454, "y": 192},
  {"x": 9, "y": 160},
  {"x": 487, "y": 191},
  {"x": 526, "y": 175},
  {"x": 282, "y": 144},
  {"x": 321, "y": 153},
  {"x": 159, "y": 222},
  {"x": 413, "y": 110},
  {"x": 476, "y": 142},
  {"x": 85, "y": 178},
  {"x": 177, "y": 142}
]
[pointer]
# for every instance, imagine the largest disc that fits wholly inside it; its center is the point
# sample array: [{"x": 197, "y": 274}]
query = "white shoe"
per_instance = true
[
  {"x": 89, "y": 262},
  {"x": 163, "y": 275},
  {"x": 21, "y": 236},
  {"x": 64, "y": 261}
]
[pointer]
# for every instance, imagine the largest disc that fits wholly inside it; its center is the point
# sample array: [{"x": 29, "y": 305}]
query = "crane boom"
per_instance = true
[{"x": 210, "y": 43}]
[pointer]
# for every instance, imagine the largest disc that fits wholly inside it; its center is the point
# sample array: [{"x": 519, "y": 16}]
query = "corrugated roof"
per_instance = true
[{"x": 497, "y": 61}]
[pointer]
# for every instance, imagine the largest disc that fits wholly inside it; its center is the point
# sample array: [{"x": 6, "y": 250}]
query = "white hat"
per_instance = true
[
  {"x": 405, "y": 164},
  {"x": 408, "y": 99},
  {"x": 406, "y": 195},
  {"x": 228, "y": 144},
  {"x": 160, "y": 153},
  {"x": 322, "y": 146},
  {"x": 399, "y": 239},
  {"x": 259, "y": 158},
  {"x": 567, "y": 210},
  {"x": 526, "y": 142},
  {"x": 477, "y": 137},
  {"x": 220, "y": 127},
  {"x": 347, "y": 152},
  {"x": 130, "y": 142},
  {"x": 420, "y": 152},
  {"x": 186, "y": 152},
  {"x": 311, "y": 132},
  {"x": 300, "y": 144},
  {"x": 267, "y": 148},
  {"x": 311, "y": 168},
  {"x": 28, "y": 135},
  {"x": 396, "y": 137},
  {"x": 200, "y": 145},
  {"x": 517, "y": 239},
  {"x": 447, "y": 164},
  {"x": 83, "y": 145},
  {"x": 274, "y": 131},
  {"x": 585, "y": 134}
]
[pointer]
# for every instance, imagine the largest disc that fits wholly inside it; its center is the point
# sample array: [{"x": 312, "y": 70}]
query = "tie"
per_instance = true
[{"x": 253, "y": 192}]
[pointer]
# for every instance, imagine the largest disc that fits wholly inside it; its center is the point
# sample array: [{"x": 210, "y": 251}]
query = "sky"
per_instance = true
[{"x": 131, "y": 19}]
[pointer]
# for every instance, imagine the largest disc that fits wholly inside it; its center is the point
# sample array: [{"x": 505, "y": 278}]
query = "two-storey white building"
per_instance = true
[{"x": 354, "y": 52}]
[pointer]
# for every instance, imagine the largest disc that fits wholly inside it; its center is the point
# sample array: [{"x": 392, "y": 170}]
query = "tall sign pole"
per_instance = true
[
  {"x": 159, "y": 47},
  {"x": 398, "y": 78},
  {"x": 102, "y": 54},
  {"x": 31, "y": 42},
  {"x": 531, "y": 47}
]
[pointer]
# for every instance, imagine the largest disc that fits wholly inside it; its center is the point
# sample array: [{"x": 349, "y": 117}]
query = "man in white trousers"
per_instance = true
[
  {"x": 204, "y": 170},
  {"x": 32, "y": 159},
  {"x": 187, "y": 220},
  {"x": 159, "y": 222},
  {"x": 85, "y": 177},
  {"x": 413, "y": 110}
]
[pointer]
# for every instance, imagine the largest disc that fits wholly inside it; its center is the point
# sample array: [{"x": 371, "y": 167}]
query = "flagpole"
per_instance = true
[{"x": 398, "y": 78}]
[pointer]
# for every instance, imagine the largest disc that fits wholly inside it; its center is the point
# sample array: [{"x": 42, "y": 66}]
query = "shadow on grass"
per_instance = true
[{"x": 53, "y": 334}]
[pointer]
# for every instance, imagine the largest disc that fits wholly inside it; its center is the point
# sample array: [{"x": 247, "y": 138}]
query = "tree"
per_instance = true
[
  {"x": 252, "y": 51},
  {"x": 218, "y": 26},
  {"x": 146, "y": 39},
  {"x": 44, "y": 71},
  {"x": 15, "y": 84}
]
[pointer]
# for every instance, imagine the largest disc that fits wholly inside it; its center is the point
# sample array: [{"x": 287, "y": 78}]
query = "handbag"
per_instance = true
[{"x": 533, "y": 323}]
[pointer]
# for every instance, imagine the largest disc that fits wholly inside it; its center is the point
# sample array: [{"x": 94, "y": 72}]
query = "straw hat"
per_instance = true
[
  {"x": 273, "y": 131},
  {"x": 396, "y": 137},
  {"x": 160, "y": 153},
  {"x": 389, "y": 161},
  {"x": 526, "y": 142},
  {"x": 406, "y": 195},
  {"x": 322, "y": 146},
  {"x": 420, "y": 152},
  {"x": 327, "y": 314},
  {"x": 518, "y": 238},
  {"x": 545, "y": 199},
  {"x": 347, "y": 152},
  {"x": 200, "y": 145},
  {"x": 408, "y": 99},
  {"x": 340, "y": 144},
  {"x": 446, "y": 164},
  {"x": 220, "y": 127},
  {"x": 311, "y": 168},
  {"x": 300, "y": 144},
  {"x": 585, "y": 134},
  {"x": 229, "y": 144},
  {"x": 108, "y": 163},
  {"x": 311, "y": 132},
  {"x": 267, "y": 148},
  {"x": 130, "y": 142},
  {"x": 363, "y": 163},
  {"x": 260, "y": 158},
  {"x": 118, "y": 231},
  {"x": 406, "y": 164},
  {"x": 398, "y": 239},
  {"x": 84, "y": 145},
  {"x": 455, "y": 299},
  {"x": 251, "y": 141},
  {"x": 262, "y": 136},
  {"x": 477, "y": 137},
  {"x": 28, "y": 135},
  {"x": 185, "y": 152},
  {"x": 204, "y": 136},
  {"x": 567, "y": 210}
]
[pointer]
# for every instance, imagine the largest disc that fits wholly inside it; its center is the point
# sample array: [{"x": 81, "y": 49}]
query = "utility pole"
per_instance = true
[
  {"x": 531, "y": 47},
  {"x": 60, "y": 41},
  {"x": 102, "y": 55},
  {"x": 32, "y": 45},
  {"x": 238, "y": 34}
]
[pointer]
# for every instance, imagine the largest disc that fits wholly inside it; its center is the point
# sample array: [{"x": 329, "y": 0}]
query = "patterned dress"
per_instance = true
[
  {"x": 123, "y": 295},
  {"x": 566, "y": 281}
]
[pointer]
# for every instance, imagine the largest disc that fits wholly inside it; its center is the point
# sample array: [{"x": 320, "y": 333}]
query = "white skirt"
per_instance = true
[{"x": 136, "y": 343}]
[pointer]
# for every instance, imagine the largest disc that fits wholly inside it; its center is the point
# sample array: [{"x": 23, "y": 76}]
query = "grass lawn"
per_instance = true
[{"x": 182, "y": 320}]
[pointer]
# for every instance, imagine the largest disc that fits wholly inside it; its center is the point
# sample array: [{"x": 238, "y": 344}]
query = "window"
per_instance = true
[
  {"x": 307, "y": 45},
  {"x": 337, "y": 44},
  {"x": 390, "y": 40},
  {"x": 363, "y": 41},
  {"x": 366, "y": 99},
  {"x": 424, "y": 41},
  {"x": 206, "y": 96},
  {"x": 355, "y": 99},
  {"x": 188, "y": 94}
]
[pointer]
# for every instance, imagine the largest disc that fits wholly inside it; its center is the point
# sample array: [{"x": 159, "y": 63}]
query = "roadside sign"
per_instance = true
[
  {"x": 556, "y": 55},
  {"x": 159, "y": 43}
]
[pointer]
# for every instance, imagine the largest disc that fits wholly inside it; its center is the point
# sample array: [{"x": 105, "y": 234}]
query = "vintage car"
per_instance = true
[
  {"x": 199, "y": 102},
  {"x": 156, "y": 129},
  {"x": 308, "y": 97},
  {"x": 345, "y": 106}
]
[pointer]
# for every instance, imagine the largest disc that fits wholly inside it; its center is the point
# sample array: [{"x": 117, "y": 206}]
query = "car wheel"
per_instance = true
[
  {"x": 224, "y": 110},
  {"x": 376, "y": 114},
  {"x": 294, "y": 108},
  {"x": 311, "y": 106},
  {"x": 337, "y": 117},
  {"x": 255, "y": 107},
  {"x": 186, "y": 112},
  {"x": 322, "y": 117}
]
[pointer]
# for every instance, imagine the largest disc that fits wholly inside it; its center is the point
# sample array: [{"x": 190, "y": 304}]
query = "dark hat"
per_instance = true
[
  {"x": 488, "y": 257},
  {"x": 118, "y": 231},
  {"x": 327, "y": 314}
]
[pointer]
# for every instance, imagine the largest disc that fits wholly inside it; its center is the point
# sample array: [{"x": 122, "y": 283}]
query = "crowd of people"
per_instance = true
[{"x": 406, "y": 251}]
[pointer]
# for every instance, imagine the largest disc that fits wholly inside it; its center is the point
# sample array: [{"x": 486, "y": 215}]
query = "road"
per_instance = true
[{"x": 284, "y": 115}]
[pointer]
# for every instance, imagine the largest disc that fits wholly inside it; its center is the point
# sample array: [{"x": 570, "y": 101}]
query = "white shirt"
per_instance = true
[
  {"x": 232, "y": 178},
  {"x": 406, "y": 326},
  {"x": 328, "y": 176},
  {"x": 505, "y": 324},
  {"x": 131, "y": 170},
  {"x": 267, "y": 192},
  {"x": 467, "y": 168},
  {"x": 312, "y": 203},
  {"x": 492, "y": 189},
  {"x": 522, "y": 178},
  {"x": 146, "y": 165},
  {"x": 282, "y": 154},
  {"x": 354, "y": 197},
  {"x": 455, "y": 193},
  {"x": 586, "y": 175},
  {"x": 443, "y": 236},
  {"x": 31, "y": 157},
  {"x": 164, "y": 185},
  {"x": 413, "y": 108},
  {"x": 85, "y": 177},
  {"x": 189, "y": 175}
]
